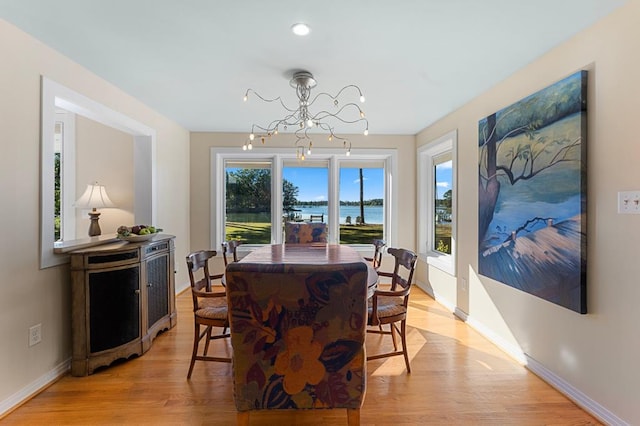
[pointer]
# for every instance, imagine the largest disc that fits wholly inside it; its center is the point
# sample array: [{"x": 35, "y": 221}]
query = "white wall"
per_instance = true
[
  {"x": 593, "y": 356},
  {"x": 28, "y": 295},
  {"x": 104, "y": 155}
]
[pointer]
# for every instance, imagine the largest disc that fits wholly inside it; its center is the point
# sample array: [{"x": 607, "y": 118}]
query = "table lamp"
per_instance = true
[{"x": 94, "y": 197}]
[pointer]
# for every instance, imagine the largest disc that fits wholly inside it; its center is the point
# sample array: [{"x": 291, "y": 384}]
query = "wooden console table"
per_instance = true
[{"x": 123, "y": 295}]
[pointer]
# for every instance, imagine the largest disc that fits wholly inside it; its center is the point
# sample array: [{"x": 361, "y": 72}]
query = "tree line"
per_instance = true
[{"x": 249, "y": 191}]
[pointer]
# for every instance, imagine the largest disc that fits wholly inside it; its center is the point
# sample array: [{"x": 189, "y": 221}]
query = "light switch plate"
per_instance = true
[{"x": 629, "y": 202}]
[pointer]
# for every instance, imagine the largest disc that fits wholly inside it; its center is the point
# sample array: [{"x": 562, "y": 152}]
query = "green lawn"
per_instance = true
[{"x": 260, "y": 233}]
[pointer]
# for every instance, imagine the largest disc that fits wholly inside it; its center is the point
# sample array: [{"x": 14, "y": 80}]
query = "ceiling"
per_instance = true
[{"x": 193, "y": 60}]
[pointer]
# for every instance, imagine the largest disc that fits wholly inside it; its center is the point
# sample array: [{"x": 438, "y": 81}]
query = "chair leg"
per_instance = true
[
  {"x": 353, "y": 416},
  {"x": 206, "y": 345},
  {"x": 393, "y": 336},
  {"x": 196, "y": 340},
  {"x": 403, "y": 336},
  {"x": 242, "y": 419}
]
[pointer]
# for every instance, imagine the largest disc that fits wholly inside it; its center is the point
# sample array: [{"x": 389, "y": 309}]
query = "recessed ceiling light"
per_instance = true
[{"x": 300, "y": 29}]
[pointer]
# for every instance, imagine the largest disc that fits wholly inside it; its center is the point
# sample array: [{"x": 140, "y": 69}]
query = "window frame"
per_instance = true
[
  {"x": 427, "y": 153},
  {"x": 277, "y": 157}
]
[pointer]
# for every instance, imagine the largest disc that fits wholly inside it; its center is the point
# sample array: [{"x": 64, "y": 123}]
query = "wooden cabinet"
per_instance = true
[{"x": 123, "y": 295}]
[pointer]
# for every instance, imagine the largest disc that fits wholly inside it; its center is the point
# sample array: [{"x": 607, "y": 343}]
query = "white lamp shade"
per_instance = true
[{"x": 94, "y": 197}]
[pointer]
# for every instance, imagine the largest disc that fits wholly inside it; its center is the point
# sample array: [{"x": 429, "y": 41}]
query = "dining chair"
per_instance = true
[
  {"x": 297, "y": 333},
  {"x": 389, "y": 306},
  {"x": 209, "y": 307},
  {"x": 376, "y": 259},
  {"x": 230, "y": 250},
  {"x": 305, "y": 232}
]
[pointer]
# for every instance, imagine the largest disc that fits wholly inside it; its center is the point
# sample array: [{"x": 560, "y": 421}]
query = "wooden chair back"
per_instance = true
[
  {"x": 230, "y": 251},
  {"x": 199, "y": 276},
  {"x": 404, "y": 267},
  {"x": 376, "y": 259}
]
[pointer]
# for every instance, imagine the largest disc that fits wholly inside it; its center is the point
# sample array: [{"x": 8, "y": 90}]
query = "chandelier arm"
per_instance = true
[
  {"x": 278, "y": 99},
  {"x": 301, "y": 138},
  {"x": 328, "y": 128},
  {"x": 276, "y": 123},
  {"x": 337, "y": 96},
  {"x": 347, "y": 87},
  {"x": 327, "y": 114},
  {"x": 324, "y": 113}
]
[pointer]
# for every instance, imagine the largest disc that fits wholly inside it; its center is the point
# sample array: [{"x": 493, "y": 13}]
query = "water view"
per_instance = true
[{"x": 372, "y": 214}]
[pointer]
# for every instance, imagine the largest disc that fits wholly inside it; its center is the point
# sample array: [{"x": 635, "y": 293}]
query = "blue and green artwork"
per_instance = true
[{"x": 532, "y": 194}]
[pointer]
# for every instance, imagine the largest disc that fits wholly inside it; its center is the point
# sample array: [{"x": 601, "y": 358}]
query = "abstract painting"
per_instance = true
[{"x": 532, "y": 194}]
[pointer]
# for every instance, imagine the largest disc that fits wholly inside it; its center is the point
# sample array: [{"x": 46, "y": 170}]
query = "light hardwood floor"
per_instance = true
[{"x": 458, "y": 377}]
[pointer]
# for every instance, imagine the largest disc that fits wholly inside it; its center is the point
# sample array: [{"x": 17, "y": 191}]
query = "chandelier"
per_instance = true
[{"x": 312, "y": 116}]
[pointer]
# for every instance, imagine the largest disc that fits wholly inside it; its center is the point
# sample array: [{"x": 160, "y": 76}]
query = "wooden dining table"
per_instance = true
[{"x": 312, "y": 254}]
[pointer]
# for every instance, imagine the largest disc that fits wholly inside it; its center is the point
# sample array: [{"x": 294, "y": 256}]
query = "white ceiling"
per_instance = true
[{"x": 192, "y": 60}]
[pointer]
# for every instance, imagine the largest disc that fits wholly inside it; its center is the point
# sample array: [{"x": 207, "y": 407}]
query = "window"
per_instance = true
[
  {"x": 442, "y": 190},
  {"x": 437, "y": 202},
  {"x": 248, "y": 202},
  {"x": 307, "y": 195},
  {"x": 361, "y": 202},
  {"x": 64, "y": 148},
  {"x": 254, "y": 194}
]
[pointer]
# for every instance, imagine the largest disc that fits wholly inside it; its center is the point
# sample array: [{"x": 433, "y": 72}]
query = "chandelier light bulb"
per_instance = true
[
  {"x": 245, "y": 98},
  {"x": 310, "y": 122},
  {"x": 361, "y": 98},
  {"x": 250, "y": 146},
  {"x": 349, "y": 152},
  {"x": 366, "y": 132},
  {"x": 302, "y": 156},
  {"x": 330, "y": 138},
  {"x": 244, "y": 147},
  {"x": 252, "y": 137},
  {"x": 361, "y": 114}
]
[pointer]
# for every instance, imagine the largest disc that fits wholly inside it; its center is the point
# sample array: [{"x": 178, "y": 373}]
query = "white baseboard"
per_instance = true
[
  {"x": 512, "y": 350},
  {"x": 574, "y": 394},
  {"x": 461, "y": 314},
  {"x": 565, "y": 388},
  {"x": 180, "y": 287},
  {"x": 33, "y": 388}
]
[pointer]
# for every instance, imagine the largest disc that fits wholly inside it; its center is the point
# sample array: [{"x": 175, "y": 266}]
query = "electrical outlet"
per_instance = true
[
  {"x": 629, "y": 202},
  {"x": 35, "y": 334}
]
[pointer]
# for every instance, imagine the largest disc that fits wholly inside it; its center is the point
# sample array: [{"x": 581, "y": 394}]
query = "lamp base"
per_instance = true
[{"x": 94, "y": 227}]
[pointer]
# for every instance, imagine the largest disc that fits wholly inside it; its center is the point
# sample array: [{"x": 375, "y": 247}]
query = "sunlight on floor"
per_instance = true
[{"x": 394, "y": 366}]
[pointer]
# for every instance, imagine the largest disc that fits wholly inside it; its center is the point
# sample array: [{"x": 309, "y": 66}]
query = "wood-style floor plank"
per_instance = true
[{"x": 457, "y": 377}]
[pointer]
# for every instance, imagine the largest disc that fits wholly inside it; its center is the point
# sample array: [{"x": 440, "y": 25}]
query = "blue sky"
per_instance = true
[
  {"x": 312, "y": 183},
  {"x": 443, "y": 177}
]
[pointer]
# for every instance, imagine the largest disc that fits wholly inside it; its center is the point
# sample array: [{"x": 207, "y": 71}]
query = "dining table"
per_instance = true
[{"x": 312, "y": 254}]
